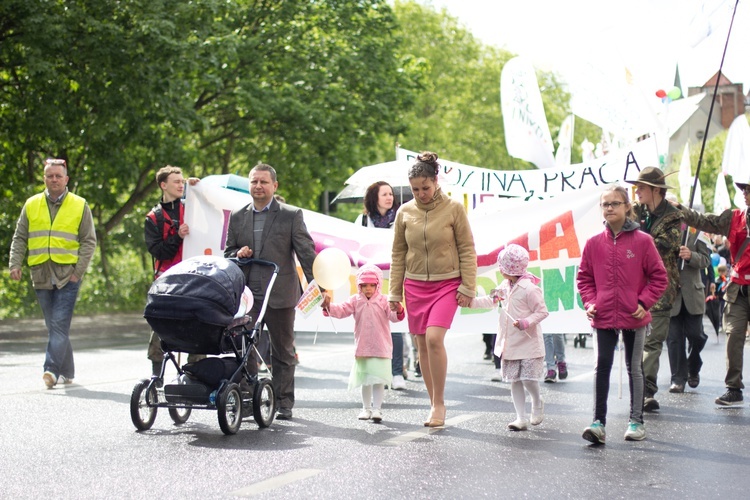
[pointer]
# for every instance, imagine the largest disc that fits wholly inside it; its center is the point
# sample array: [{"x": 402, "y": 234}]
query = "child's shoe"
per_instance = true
[
  {"x": 376, "y": 416},
  {"x": 550, "y": 377},
  {"x": 562, "y": 369},
  {"x": 635, "y": 432},
  {"x": 537, "y": 414},
  {"x": 365, "y": 414},
  {"x": 518, "y": 425},
  {"x": 595, "y": 433}
]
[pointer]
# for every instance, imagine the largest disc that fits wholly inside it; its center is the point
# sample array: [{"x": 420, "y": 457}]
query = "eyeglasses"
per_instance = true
[{"x": 614, "y": 204}]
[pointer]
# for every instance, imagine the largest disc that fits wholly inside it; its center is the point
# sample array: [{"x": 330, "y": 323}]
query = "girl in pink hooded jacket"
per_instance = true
[
  {"x": 372, "y": 339},
  {"x": 519, "y": 341}
]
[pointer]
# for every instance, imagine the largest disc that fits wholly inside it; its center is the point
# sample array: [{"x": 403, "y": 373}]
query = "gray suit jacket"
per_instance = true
[
  {"x": 691, "y": 288},
  {"x": 284, "y": 235}
]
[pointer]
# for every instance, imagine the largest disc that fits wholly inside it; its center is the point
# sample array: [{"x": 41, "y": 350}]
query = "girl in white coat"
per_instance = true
[{"x": 519, "y": 340}]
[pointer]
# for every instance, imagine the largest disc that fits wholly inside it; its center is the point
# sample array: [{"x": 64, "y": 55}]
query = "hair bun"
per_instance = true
[{"x": 427, "y": 157}]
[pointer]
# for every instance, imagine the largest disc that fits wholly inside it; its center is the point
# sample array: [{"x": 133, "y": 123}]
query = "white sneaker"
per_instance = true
[
  {"x": 64, "y": 380},
  {"x": 518, "y": 425},
  {"x": 49, "y": 379},
  {"x": 537, "y": 414},
  {"x": 376, "y": 416},
  {"x": 635, "y": 432},
  {"x": 365, "y": 414},
  {"x": 398, "y": 383},
  {"x": 498, "y": 376}
]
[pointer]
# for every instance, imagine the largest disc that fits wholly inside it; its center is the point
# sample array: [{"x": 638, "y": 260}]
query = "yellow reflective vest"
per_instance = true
[{"x": 58, "y": 239}]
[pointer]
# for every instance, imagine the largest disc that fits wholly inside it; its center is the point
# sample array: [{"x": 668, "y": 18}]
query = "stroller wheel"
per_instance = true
[
  {"x": 142, "y": 412},
  {"x": 264, "y": 402},
  {"x": 180, "y": 415},
  {"x": 229, "y": 405}
]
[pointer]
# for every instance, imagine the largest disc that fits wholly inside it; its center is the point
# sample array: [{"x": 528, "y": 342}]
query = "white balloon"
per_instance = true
[{"x": 331, "y": 268}]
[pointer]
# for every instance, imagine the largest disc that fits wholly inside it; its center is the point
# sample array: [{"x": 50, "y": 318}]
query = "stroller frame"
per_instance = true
[{"x": 236, "y": 397}]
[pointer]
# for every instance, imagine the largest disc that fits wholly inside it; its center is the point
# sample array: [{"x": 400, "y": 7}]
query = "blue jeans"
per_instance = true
[
  {"x": 554, "y": 349},
  {"x": 397, "y": 361},
  {"x": 57, "y": 306}
]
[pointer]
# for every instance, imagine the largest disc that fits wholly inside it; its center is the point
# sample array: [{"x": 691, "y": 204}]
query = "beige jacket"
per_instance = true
[{"x": 432, "y": 242}]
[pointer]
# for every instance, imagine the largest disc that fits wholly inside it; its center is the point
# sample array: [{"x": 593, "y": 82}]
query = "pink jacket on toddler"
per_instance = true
[{"x": 372, "y": 332}]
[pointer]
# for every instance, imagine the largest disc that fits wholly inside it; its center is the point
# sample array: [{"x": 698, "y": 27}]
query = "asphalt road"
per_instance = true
[{"x": 78, "y": 441}]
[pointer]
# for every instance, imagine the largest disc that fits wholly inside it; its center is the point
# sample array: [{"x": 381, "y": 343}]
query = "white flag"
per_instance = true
[
  {"x": 685, "y": 178},
  {"x": 527, "y": 134},
  {"x": 737, "y": 151},
  {"x": 721, "y": 195},
  {"x": 565, "y": 141}
]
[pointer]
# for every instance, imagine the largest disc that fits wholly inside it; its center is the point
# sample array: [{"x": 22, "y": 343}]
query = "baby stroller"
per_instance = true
[{"x": 193, "y": 308}]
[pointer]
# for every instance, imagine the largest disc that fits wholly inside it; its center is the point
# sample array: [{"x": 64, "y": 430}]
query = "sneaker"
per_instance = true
[
  {"x": 398, "y": 383},
  {"x": 677, "y": 388},
  {"x": 487, "y": 355},
  {"x": 537, "y": 414},
  {"x": 376, "y": 416},
  {"x": 733, "y": 397},
  {"x": 62, "y": 379},
  {"x": 595, "y": 433},
  {"x": 635, "y": 432},
  {"x": 498, "y": 376},
  {"x": 694, "y": 380},
  {"x": 518, "y": 425},
  {"x": 550, "y": 377},
  {"x": 562, "y": 368},
  {"x": 50, "y": 380},
  {"x": 365, "y": 414},
  {"x": 417, "y": 370},
  {"x": 650, "y": 404}
]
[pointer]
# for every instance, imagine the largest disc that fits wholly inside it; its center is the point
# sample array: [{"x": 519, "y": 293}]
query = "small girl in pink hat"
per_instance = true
[{"x": 519, "y": 340}]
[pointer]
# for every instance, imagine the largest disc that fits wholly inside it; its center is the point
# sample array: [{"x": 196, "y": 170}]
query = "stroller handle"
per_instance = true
[{"x": 250, "y": 261}]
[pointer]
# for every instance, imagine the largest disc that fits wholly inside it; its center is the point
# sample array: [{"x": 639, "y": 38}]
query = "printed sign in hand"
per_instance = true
[{"x": 311, "y": 298}]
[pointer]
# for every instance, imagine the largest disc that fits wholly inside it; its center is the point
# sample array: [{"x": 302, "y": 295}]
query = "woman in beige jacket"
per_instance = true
[{"x": 434, "y": 269}]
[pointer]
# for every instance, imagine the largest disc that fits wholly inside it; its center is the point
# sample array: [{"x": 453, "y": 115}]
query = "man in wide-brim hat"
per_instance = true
[
  {"x": 733, "y": 224},
  {"x": 663, "y": 222}
]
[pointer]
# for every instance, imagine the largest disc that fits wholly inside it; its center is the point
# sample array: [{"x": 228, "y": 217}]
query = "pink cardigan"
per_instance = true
[{"x": 524, "y": 301}]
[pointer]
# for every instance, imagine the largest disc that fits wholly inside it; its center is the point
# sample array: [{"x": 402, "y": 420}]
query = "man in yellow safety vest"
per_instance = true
[{"x": 57, "y": 229}]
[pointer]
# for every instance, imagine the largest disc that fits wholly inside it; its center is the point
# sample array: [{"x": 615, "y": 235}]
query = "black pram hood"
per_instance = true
[{"x": 206, "y": 289}]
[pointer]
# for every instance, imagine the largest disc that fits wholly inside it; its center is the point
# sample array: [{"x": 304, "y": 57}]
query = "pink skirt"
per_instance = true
[{"x": 430, "y": 303}]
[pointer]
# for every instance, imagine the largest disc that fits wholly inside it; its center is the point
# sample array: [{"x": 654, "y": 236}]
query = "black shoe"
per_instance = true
[
  {"x": 650, "y": 404},
  {"x": 284, "y": 414},
  {"x": 676, "y": 388},
  {"x": 417, "y": 370},
  {"x": 733, "y": 397},
  {"x": 487, "y": 355},
  {"x": 694, "y": 380}
]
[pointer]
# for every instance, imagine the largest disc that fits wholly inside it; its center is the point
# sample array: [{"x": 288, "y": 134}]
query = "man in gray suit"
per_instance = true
[
  {"x": 268, "y": 230},
  {"x": 686, "y": 320}
]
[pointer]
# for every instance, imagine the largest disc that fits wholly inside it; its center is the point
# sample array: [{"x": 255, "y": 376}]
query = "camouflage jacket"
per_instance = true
[{"x": 664, "y": 226}]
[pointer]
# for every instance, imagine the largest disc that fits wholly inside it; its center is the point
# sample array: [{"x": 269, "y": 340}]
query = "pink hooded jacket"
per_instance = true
[{"x": 372, "y": 333}]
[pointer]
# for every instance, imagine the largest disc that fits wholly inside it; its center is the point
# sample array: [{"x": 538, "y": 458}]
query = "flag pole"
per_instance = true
[{"x": 708, "y": 122}]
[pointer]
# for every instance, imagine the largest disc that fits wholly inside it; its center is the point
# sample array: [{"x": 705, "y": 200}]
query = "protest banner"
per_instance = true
[{"x": 554, "y": 231}]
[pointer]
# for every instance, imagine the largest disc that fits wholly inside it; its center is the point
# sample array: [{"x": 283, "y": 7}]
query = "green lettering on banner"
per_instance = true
[{"x": 558, "y": 290}]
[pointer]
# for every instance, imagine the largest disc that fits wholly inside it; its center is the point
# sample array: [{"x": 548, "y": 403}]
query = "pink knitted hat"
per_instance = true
[{"x": 513, "y": 260}]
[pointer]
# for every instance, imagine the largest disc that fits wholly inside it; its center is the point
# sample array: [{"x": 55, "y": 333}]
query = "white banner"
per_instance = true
[
  {"x": 485, "y": 183},
  {"x": 553, "y": 230},
  {"x": 526, "y": 131}
]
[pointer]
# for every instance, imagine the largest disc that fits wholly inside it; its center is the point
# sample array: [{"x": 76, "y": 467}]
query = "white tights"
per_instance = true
[
  {"x": 519, "y": 396},
  {"x": 372, "y": 396}
]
